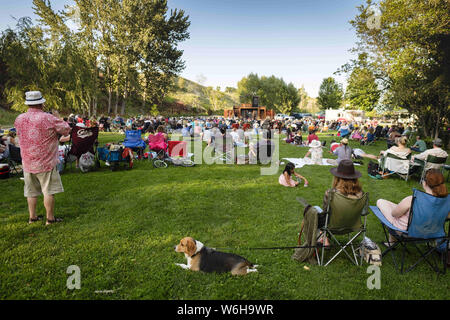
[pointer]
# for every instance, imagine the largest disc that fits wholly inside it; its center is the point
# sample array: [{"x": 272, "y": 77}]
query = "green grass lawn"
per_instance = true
[{"x": 120, "y": 228}]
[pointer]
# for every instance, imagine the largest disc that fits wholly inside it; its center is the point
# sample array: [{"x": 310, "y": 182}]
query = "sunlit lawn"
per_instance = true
[{"x": 120, "y": 228}]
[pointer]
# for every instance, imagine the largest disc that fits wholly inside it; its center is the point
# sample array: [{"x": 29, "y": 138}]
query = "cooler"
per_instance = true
[{"x": 177, "y": 148}]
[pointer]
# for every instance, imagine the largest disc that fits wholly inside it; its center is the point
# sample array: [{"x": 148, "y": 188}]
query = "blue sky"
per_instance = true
[{"x": 301, "y": 41}]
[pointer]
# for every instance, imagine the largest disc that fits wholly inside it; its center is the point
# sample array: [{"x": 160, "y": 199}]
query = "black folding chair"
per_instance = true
[{"x": 14, "y": 159}]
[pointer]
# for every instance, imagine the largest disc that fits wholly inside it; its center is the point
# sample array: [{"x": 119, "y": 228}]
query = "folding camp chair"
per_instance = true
[
  {"x": 430, "y": 159},
  {"x": 159, "y": 147},
  {"x": 82, "y": 140},
  {"x": 134, "y": 141},
  {"x": 392, "y": 164},
  {"x": 343, "y": 217},
  {"x": 14, "y": 158},
  {"x": 426, "y": 225},
  {"x": 223, "y": 149}
]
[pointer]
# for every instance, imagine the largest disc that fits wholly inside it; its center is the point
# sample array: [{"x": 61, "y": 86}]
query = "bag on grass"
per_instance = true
[
  {"x": 370, "y": 251},
  {"x": 373, "y": 169},
  {"x": 86, "y": 162}
]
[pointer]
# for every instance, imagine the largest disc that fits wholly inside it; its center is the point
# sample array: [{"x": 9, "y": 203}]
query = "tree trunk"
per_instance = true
[
  {"x": 437, "y": 125},
  {"x": 89, "y": 107},
  {"x": 94, "y": 107},
  {"x": 125, "y": 94},
  {"x": 116, "y": 107},
  {"x": 109, "y": 99}
]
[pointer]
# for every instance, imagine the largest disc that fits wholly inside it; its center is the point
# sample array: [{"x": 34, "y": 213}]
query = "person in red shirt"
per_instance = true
[
  {"x": 38, "y": 133},
  {"x": 312, "y": 136}
]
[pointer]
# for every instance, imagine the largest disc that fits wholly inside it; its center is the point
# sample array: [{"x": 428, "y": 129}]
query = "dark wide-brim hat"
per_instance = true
[{"x": 345, "y": 170}]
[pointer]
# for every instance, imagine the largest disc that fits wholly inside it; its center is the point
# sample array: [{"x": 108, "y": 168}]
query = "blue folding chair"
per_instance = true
[
  {"x": 133, "y": 140},
  {"x": 426, "y": 225}
]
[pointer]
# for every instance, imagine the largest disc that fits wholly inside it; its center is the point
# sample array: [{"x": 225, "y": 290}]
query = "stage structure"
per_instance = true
[{"x": 249, "y": 111}]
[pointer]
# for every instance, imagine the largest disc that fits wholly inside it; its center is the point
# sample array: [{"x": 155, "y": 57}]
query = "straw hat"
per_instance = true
[
  {"x": 345, "y": 170},
  {"x": 344, "y": 141},
  {"x": 33, "y": 98}
]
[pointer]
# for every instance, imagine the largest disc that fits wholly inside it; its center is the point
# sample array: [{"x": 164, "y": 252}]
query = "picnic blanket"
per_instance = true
[{"x": 300, "y": 162}]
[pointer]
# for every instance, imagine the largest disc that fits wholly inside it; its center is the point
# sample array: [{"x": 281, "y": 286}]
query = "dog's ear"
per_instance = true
[{"x": 191, "y": 247}]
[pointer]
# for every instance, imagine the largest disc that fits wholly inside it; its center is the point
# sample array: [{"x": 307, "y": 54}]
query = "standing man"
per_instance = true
[{"x": 38, "y": 133}]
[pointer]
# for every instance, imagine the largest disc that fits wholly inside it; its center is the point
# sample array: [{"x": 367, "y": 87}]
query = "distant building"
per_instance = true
[{"x": 342, "y": 114}]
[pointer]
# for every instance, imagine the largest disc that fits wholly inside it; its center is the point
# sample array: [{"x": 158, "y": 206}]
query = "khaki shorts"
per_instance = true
[{"x": 46, "y": 183}]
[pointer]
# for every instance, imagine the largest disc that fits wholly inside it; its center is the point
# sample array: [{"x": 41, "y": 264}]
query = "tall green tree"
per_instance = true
[
  {"x": 273, "y": 92},
  {"x": 409, "y": 47},
  {"x": 362, "y": 90},
  {"x": 330, "y": 94}
]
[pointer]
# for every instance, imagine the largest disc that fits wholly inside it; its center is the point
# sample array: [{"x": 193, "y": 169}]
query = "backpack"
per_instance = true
[{"x": 373, "y": 169}]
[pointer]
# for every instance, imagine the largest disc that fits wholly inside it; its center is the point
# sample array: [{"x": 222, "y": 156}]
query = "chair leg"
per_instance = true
[
  {"x": 424, "y": 256},
  {"x": 343, "y": 248}
]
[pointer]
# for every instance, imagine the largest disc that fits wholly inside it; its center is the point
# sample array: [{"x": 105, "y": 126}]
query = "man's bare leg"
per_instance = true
[
  {"x": 32, "y": 202},
  {"x": 49, "y": 204}
]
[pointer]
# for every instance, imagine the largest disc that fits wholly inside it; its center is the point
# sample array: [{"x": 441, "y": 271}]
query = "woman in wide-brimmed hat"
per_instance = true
[{"x": 345, "y": 182}]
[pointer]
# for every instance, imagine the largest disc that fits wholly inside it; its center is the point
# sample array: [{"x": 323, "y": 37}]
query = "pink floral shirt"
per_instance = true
[{"x": 38, "y": 134}]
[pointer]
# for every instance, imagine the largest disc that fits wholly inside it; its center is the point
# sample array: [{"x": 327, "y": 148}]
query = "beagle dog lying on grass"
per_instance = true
[{"x": 202, "y": 258}]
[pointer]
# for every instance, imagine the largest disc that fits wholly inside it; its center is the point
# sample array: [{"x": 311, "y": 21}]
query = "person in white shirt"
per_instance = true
[{"x": 435, "y": 151}]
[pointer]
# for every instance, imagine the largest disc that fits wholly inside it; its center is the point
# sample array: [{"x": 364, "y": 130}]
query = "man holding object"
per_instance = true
[{"x": 38, "y": 133}]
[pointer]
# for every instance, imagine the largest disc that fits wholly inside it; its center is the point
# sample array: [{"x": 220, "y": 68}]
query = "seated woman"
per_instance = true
[
  {"x": 356, "y": 135},
  {"x": 286, "y": 180},
  {"x": 346, "y": 183},
  {"x": 312, "y": 136},
  {"x": 344, "y": 130},
  {"x": 315, "y": 152},
  {"x": 289, "y": 135},
  {"x": 398, "y": 214},
  {"x": 400, "y": 150},
  {"x": 370, "y": 137},
  {"x": 298, "y": 139}
]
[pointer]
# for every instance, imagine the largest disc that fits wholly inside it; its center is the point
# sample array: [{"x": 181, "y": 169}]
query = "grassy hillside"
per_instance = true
[{"x": 194, "y": 95}]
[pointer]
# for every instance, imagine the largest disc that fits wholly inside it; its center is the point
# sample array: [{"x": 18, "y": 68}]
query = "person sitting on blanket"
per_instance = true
[
  {"x": 346, "y": 183},
  {"x": 398, "y": 214},
  {"x": 343, "y": 152},
  {"x": 315, "y": 152},
  {"x": 285, "y": 178}
]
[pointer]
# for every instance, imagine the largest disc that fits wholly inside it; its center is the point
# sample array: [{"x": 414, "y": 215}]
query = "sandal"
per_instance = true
[
  {"x": 38, "y": 218},
  {"x": 55, "y": 220}
]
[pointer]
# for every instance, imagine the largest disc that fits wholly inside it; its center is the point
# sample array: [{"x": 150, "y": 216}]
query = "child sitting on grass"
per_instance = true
[{"x": 286, "y": 179}]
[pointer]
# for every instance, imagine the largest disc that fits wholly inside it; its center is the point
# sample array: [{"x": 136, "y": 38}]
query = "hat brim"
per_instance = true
[
  {"x": 32, "y": 103},
  {"x": 335, "y": 173}
]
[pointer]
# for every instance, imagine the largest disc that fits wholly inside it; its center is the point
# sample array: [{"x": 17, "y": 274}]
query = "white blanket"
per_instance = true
[{"x": 300, "y": 162}]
